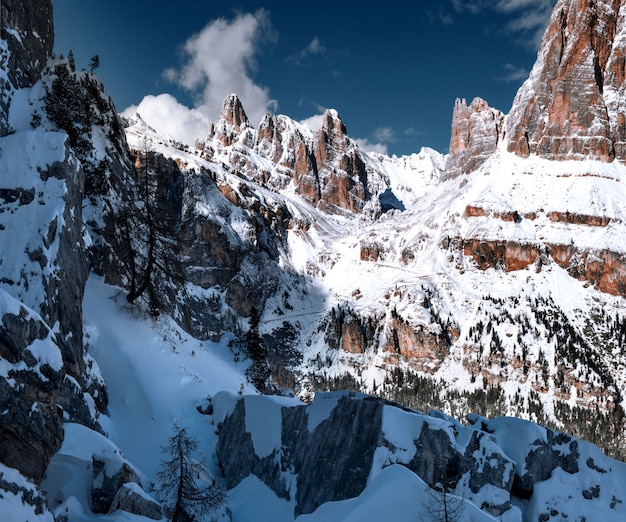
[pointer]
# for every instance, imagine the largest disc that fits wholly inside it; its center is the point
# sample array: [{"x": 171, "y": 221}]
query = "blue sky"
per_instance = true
[{"x": 392, "y": 70}]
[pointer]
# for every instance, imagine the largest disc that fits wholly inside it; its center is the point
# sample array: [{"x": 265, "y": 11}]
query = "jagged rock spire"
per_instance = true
[
  {"x": 233, "y": 113},
  {"x": 476, "y": 132}
]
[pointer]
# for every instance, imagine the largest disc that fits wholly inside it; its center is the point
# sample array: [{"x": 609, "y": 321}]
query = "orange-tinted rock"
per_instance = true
[
  {"x": 579, "y": 219},
  {"x": 474, "y": 211},
  {"x": 571, "y": 107},
  {"x": 352, "y": 338},
  {"x": 340, "y": 169},
  {"x": 414, "y": 343},
  {"x": 509, "y": 255},
  {"x": 371, "y": 251},
  {"x": 604, "y": 269},
  {"x": 476, "y": 132}
]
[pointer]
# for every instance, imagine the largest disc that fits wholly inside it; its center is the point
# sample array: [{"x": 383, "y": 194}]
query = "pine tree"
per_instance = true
[
  {"x": 182, "y": 481},
  {"x": 259, "y": 372},
  {"x": 71, "y": 61},
  {"x": 153, "y": 242},
  {"x": 94, "y": 63}
]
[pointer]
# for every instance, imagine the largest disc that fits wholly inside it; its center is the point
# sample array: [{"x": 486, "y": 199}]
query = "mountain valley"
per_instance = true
[{"x": 297, "y": 301}]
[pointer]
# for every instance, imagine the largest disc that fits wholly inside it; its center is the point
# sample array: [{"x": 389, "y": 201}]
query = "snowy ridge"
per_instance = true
[{"x": 383, "y": 269}]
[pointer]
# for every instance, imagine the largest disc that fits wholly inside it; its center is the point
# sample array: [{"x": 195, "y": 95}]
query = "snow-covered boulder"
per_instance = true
[
  {"x": 339, "y": 446},
  {"x": 133, "y": 499},
  {"x": 110, "y": 473},
  {"x": 331, "y": 449}
]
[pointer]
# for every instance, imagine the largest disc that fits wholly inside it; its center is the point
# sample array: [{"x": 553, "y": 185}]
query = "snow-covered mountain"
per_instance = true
[{"x": 490, "y": 281}]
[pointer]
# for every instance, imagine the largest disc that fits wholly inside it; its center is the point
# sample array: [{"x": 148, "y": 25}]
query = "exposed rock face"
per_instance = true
[
  {"x": 109, "y": 476},
  {"x": 326, "y": 449},
  {"x": 215, "y": 256},
  {"x": 509, "y": 255},
  {"x": 45, "y": 276},
  {"x": 231, "y": 123},
  {"x": 604, "y": 269},
  {"x": 342, "y": 173},
  {"x": 132, "y": 499},
  {"x": 476, "y": 132},
  {"x": 572, "y": 105},
  {"x": 542, "y": 451},
  {"x": 24, "y": 57},
  {"x": 416, "y": 344},
  {"x": 326, "y": 169}
]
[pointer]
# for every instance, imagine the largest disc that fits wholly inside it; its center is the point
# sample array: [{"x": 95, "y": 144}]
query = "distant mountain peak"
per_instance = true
[{"x": 233, "y": 113}]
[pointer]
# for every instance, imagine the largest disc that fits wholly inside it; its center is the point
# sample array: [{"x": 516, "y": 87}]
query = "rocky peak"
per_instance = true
[
  {"x": 233, "y": 113},
  {"x": 231, "y": 123},
  {"x": 571, "y": 106},
  {"x": 476, "y": 131},
  {"x": 331, "y": 122}
]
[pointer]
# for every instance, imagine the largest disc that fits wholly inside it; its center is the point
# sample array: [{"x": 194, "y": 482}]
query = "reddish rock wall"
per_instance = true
[{"x": 571, "y": 107}]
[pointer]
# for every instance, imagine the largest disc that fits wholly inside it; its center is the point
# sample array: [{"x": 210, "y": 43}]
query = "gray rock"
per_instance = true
[
  {"x": 110, "y": 473},
  {"x": 333, "y": 458},
  {"x": 543, "y": 458},
  {"x": 27, "y": 55},
  {"x": 133, "y": 499}
]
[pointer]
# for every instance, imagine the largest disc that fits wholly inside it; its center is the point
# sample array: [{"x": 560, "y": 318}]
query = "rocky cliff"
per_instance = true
[
  {"x": 326, "y": 167},
  {"x": 476, "y": 131},
  {"x": 334, "y": 448},
  {"x": 571, "y": 106},
  {"x": 53, "y": 182},
  {"x": 26, "y": 44}
]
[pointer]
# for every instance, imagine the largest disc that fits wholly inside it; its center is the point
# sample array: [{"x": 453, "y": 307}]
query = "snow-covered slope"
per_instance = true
[{"x": 510, "y": 276}]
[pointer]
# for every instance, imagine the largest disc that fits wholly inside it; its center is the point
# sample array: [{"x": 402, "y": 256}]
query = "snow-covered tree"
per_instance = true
[
  {"x": 94, "y": 63},
  {"x": 185, "y": 486}
]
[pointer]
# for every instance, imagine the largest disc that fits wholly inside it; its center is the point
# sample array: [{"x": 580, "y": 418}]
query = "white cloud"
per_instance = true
[
  {"x": 315, "y": 47},
  {"x": 384, "y": 135},
  {"x": 313, "y": 122},
  {"x": 169, "y": 117},
  {"x": 513, "y": 74},
  {"x": 527, "y": 18},
  {"x": 368, "y": 146},
  {"x": 218, "y": 61}
]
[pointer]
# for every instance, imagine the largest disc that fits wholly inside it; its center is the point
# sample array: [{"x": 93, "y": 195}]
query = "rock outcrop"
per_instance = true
[
  {"x": 334, "y": 447},
  {"x": 328, "y": 450},
  {"x": 341, "y": 171},
  {"x": 476, "y": 131},
  {"x": 325, "y": 168},
  {"x": 49, "y": 375},
  {"x": 26, "y": 43},
  {"x": 572, "y": 105},
  {"x": 133, "y": 499},
  {"x": 110, "y": 474},
  {"x": 604, "y": 269}
]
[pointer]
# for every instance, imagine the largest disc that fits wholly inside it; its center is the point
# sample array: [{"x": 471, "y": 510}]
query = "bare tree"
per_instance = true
[
  {"x": 444, "y": 505},
  {"x": 185, "y": 486},
  {"x": 153, "y": 240}
]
